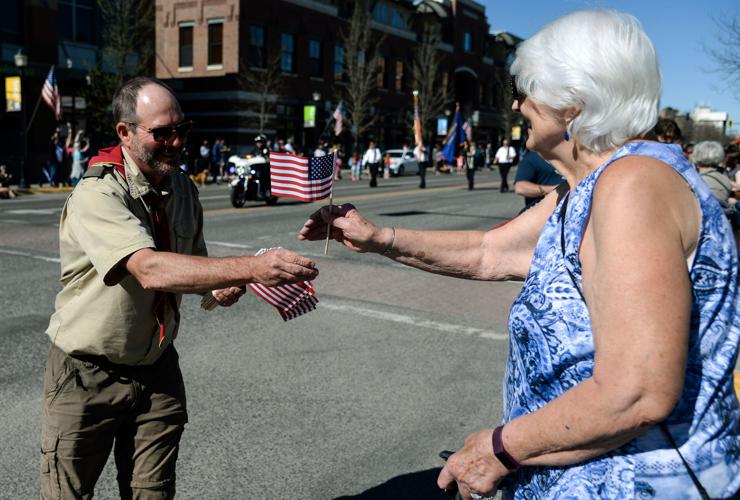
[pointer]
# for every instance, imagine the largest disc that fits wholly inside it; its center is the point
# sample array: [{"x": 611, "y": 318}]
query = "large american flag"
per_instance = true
[
  {"x": 305, "y": 179},
  {"x": 290, "y": 301},
  {"x": 50, "y": 93}
]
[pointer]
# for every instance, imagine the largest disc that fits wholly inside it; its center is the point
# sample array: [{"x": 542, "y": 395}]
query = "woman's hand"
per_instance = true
[
  {"x": 348, "y": 227},
  {"x": 474, "y": 468}
]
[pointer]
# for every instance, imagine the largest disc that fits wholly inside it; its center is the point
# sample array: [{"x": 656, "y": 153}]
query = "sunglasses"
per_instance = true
[
  {"x": 161, "y": 134},
  {"x": 516, "y": 95}
]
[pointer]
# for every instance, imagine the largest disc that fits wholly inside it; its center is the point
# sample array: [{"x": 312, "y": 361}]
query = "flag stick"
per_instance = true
[
  {"x": 328, "y": 224},
  {"x": 331, "y": 202}
]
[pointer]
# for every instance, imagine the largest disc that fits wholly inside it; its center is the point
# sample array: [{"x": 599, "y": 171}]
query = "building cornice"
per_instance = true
[{"x": 317, "y": 6}]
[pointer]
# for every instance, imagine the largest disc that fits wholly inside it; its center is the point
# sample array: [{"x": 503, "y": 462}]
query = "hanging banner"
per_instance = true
[
  {"x": 13, "y": 99},
  {"x": 309, "y": 116},
  {"x": 442, "y": 126}
]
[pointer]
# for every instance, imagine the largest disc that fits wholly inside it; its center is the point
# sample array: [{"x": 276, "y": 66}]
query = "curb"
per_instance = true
[{"x": 42, "y": 190}]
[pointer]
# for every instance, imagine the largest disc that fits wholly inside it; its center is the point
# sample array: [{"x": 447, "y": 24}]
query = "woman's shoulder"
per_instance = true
[{"x": 650, "y": 190}]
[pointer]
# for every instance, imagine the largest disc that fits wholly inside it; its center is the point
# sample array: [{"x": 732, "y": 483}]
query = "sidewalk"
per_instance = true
[{"x": 39, "y": 190}]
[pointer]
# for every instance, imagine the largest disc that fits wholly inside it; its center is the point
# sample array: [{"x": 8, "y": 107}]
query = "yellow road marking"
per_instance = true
[{"x": 352, "y": 198}]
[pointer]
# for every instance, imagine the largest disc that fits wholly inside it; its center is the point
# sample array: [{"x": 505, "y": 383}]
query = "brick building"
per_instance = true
[
  {"x": 63, "y": 33},
  {"x": 202, "y": 45}
]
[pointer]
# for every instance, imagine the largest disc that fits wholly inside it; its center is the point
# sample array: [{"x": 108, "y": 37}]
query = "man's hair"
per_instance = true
[
  {"x": 600, "y": 62},
  {"x": 124, "y": 99}
]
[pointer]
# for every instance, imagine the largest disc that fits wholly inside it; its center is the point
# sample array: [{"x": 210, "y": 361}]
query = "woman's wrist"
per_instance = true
[
  {"x": 499, "y": 450},
  {"x": 389, "y": 238}
]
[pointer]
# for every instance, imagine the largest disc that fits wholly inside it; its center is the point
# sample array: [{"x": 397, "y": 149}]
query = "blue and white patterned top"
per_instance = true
[{"x": 551, "y": 350}]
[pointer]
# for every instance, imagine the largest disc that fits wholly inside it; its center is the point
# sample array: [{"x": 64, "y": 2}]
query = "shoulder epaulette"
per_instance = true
[{"x": 99, "y": 170}]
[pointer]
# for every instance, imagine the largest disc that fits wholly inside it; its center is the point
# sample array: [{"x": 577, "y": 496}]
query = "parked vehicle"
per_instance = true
[
  {"x": 402, "y": 164},
  {"x": 252, "y": 181}
]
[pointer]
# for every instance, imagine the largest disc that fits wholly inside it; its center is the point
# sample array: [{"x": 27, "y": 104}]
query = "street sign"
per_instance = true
[
  {"x": 13, "y": 100},
  {"x": 516, "y": 133},
  {"x": 309, "y": 116}
]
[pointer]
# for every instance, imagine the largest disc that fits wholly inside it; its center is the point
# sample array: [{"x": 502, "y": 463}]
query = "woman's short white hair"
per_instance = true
[
  {"x": 601, "y": 62},
  {"x": 708, "y": 153}
]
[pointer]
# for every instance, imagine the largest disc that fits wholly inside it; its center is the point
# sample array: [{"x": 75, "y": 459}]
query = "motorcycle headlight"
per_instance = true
[{"x": 240, "y": 170}]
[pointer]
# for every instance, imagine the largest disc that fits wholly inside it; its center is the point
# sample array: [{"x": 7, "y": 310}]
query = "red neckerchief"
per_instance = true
[
  {"x": 114, "y": 156},
  {"x": 111, "y": 156}
]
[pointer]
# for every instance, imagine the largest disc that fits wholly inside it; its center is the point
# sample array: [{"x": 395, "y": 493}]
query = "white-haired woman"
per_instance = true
[
  {"x": 708, "y": 157},
  {"x": 624, "y": 337}
]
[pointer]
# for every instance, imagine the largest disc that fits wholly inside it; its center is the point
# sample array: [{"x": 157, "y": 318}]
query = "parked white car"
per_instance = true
[{"x": 400, "y": 164}]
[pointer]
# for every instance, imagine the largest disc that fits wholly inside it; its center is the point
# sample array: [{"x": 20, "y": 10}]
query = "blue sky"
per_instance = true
[{"x": 680, "y": 30}]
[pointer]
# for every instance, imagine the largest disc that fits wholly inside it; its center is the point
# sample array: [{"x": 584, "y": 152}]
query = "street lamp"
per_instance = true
[{"x": 21, "y": 62}]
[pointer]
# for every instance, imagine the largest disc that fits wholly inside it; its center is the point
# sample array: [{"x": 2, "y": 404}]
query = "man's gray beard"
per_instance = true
[{"x": 147, "y": 157}]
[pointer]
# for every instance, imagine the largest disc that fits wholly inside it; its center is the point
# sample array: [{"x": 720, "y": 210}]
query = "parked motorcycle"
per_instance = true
[{"x": 252, "y": 181}]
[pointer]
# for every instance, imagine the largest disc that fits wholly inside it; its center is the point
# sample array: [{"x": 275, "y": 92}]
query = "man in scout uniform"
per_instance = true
[{"x": 131, "y": 242}]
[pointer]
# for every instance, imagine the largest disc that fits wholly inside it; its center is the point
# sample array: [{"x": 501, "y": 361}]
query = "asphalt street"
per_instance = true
[{"x": 354, "y": 400}]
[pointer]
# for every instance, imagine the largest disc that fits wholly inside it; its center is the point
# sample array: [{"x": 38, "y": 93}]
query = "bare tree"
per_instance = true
[
  {"x": 266, "y": 84},
  {"x": 427, "y": 74},
  {"x": 128, "y": 35},
  {"x": 726, "y": 54},
  {"x": 361, "y": 68},
  {"x": 128, "y": 48}
]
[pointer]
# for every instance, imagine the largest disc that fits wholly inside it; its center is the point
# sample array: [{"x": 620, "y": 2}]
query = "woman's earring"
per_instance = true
[{"x": 567, "y": 136}]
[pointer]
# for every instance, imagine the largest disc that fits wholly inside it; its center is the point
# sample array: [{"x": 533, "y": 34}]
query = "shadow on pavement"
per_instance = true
[{"x": 421, "y": 485}]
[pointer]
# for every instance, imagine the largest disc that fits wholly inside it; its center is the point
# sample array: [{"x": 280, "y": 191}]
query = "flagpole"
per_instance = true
[
  {"x": 331, "y": 203},
  {"x": 33, "y": 115}
]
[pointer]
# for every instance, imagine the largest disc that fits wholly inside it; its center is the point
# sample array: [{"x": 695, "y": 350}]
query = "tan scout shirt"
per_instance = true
[{"x": 103, "y": 310}]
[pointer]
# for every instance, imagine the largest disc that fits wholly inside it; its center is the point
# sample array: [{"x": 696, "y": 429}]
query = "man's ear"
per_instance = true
[{"x": 124, "y": 133}]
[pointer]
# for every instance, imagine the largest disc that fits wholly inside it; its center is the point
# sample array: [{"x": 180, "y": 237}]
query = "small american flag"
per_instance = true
[
  {"x": 338, "y": 119},
  {"x": 291, "y": 301},
  {"x": 305, "y": 179},
  {"x": 50, "y": 93}
]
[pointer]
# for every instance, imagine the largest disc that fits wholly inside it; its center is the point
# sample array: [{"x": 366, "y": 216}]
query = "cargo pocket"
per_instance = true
[{"x": 50, "y": 486}]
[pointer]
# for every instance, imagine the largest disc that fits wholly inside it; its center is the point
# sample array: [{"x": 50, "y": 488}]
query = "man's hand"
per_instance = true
[
  {"x": 348, "y": 227},
  {"x": 228, "y": 296},
  {"x": 475, "y": 469},
  {"x": 282, "y": 267}
]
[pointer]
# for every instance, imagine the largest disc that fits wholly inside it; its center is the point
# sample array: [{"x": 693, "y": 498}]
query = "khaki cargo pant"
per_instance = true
[{"x": 92, "y": 406}]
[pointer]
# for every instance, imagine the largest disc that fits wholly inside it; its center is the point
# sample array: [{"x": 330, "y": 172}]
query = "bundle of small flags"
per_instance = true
[{"x": 291, "y": 301}]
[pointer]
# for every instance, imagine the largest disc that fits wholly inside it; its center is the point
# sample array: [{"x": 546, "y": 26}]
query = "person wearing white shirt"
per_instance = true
[
  {"x": 504, "y": 158},
  {"x": 422, "y": 160},
  {"x": 372, "y": 159}
]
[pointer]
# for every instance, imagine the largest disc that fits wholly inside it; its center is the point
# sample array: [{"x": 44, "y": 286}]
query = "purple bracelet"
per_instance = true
[{"x": 501, "y": 454}]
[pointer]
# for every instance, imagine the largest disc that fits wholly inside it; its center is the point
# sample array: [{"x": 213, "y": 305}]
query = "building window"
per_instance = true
[
  {"x": 397, "y": 19},
  {"x": 10, "y": 21},
  {"x": 380, "y": 13},
  {"x": 380, "y": 79},
  {"x": 314, "y": 58},
  {"x": 256, "y": 49},
  {"x": 75, "y": 20},
  {"x": 468, "y": 42},
  {"x": 339, "y": 62},
  {"x": 399, "y": 77},
  {"x": 186, "y": 44},
  {"x": 216, "y": 42},
  {"x": 287, "y": 47}
]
